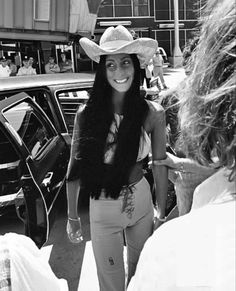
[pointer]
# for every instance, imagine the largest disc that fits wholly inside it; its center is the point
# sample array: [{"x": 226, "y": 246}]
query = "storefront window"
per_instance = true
[
  {"x": 191, "y": 10},
  {"x": 106, "y": 9},
  {"x": 162, "y": 11},
  {"x": 123, "y": 8},
  {"x": 140, "y": 7},
  {"x": 42, "y": 10}
]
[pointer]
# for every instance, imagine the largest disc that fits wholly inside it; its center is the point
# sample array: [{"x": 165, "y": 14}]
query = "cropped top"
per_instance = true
[{"x": 111, "y": 142}]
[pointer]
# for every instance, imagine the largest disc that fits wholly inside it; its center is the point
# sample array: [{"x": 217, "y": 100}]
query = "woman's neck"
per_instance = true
[{"x": 118, "y": 101}]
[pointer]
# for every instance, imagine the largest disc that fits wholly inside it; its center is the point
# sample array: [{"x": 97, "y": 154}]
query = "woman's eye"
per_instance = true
[
  {"x": 110, "y": 65},
  {"x": 126, "y": 62}
]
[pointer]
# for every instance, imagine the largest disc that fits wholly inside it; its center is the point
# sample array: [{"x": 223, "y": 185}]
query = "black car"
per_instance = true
[{"x": 36, "y": 122}]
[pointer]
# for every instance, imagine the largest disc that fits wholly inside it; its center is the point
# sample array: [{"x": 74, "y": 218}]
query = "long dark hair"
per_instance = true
[{"x": 95, "y": 123}]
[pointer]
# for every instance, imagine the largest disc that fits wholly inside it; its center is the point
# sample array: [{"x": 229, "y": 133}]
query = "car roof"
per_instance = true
[{"x": 21, "y": 82}]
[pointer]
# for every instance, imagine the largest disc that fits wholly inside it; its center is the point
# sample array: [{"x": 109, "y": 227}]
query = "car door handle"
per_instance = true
[{"x": 47, "y": 180}]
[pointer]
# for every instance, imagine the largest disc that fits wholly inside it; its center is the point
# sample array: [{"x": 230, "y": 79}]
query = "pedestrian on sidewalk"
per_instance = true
[
  {"x": 51, "y": 67},
  {"x": 4, "y": 68},
  {"x": 158, "y": 63},
  {"x": 65, "y": 64},
  {"x": 26, "y": 69},
  {"x": 112, "y": 136}
]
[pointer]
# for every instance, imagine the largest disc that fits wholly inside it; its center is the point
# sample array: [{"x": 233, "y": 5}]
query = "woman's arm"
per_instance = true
[
  {"x": 160, "y": 173},
  {"x": 73, "y": 183},
  {"x": 182, "y": 164},
  {"x": 74, "y": 230}
]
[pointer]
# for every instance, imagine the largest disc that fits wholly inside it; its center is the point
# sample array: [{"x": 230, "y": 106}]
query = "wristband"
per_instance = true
[
  {"x": 181, "y": 168},
  {"x": 162, "y": 219}
]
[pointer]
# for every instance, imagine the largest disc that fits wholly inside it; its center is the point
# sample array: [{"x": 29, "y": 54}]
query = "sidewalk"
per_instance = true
[{"x": 173, "y": 76}]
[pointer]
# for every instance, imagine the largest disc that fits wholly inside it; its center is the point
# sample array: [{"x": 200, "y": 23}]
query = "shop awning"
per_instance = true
[{"x": 83, "y": 16}]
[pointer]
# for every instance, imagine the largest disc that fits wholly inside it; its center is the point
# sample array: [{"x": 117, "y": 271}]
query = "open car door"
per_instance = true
[{"x": 44, "y": 157}]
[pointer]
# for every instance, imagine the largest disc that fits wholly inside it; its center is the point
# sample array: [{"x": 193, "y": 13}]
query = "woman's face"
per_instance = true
[{"x": 120, "y": 71}]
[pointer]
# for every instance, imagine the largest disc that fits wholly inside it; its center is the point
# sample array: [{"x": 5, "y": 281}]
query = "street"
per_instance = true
[{"x": 74, "y": 262}]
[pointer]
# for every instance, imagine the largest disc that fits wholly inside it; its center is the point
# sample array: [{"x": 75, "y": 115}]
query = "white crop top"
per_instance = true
[{"x": 111, "y": 142}]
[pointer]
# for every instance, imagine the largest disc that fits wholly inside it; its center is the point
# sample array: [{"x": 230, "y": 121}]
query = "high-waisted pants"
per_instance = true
[{"x": 132, "y": 214}]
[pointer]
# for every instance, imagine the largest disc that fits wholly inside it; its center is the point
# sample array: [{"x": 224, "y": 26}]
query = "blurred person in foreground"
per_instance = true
[
  {"x": 23, "y": 267},
  {"x": 197, "y": 251},
  {"x": 185, "y": 173}
]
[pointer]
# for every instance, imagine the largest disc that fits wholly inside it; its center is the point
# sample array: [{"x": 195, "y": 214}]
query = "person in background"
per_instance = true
[
  {"x": 158, "y": 63},
  {"x": 146, "y": 69},
  {"x": 26, "y": 69},
  {"x": 12, "y": 67},
  {"x": 51, "y": 67},
  {"x": 4, "y": 68},
  {"x": 65, "y": 64},
  {"x": 31, "y": 61},
  {"x": 146, "y": 74},
  {"x": 197, "y": 251},
  {"x": 23, "y": 267},
  {"x": 113, "y": 134}
]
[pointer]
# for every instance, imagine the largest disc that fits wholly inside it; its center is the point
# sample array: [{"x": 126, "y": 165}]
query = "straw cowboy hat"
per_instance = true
[{"x": 117, "y": 40}]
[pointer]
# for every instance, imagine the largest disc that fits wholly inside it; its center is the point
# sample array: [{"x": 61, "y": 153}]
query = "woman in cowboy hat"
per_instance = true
[{"x": 113, "y": 133}]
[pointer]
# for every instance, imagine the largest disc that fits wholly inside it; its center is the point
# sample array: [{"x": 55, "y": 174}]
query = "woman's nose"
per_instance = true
[{"x": 120, "y": 71}]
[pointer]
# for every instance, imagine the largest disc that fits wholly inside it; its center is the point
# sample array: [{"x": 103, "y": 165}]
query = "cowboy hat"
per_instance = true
[{"x": 117, "y": 40}]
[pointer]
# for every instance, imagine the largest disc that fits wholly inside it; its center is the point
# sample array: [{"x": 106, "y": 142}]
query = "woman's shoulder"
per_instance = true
[{"x": 156, "y": 114}]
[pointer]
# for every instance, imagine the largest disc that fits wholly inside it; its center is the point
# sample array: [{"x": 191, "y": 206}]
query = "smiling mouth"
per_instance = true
[{"x": 121, "y": 81}]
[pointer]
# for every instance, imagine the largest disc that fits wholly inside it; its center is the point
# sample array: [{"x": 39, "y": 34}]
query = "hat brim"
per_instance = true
[{"x": 144, "y": 48}]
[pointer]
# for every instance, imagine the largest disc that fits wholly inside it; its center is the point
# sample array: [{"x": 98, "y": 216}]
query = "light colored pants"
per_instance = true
[
  {"x": 158, "y": 72},
  {"x": 108, "y": 220}
]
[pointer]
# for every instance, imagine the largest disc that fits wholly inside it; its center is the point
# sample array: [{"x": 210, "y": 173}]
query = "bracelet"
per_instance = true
[
  {"x": 73, "y": 219},
  {"x": 181, "y": 168},
  {"x": 162, "y": 219}
]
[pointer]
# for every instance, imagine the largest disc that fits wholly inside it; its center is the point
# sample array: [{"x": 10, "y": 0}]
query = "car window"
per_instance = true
[
  {"x": 9, "y": 167},
  {"x": 70, "y": 100},
  {"x": 40, "y": 96},
  {"x": 25, "y": 119}
]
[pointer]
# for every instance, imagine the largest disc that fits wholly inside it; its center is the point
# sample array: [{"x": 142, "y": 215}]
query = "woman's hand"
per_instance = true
[
  {"x": 156, "y": 223},
  {"x": 74, "y": 230},
  {"x": 171, "y": 161}
]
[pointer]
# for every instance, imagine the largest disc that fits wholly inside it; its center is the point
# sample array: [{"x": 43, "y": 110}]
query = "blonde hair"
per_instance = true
[{"x": 208, "y": 102}]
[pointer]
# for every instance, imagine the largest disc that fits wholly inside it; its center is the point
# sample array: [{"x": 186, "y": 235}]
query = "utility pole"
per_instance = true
[{"x": 177, "y": 54}]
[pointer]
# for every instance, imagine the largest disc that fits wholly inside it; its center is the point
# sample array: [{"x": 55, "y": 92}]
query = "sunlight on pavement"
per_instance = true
[
  {"x": 46, "y": 252},
  {"x": 88, "y": 276}
]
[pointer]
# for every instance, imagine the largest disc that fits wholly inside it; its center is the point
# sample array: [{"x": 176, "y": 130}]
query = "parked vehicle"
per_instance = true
[{"x": 36, "y": 122}]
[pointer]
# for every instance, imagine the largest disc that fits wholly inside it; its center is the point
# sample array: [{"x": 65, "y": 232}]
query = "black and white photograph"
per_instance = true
[{"x": 117, "y": 145}]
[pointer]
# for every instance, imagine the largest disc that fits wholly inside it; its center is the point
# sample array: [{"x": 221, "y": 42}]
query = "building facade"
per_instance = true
[
  {"x": 36, "y": 28},
  {"x": 152, "y": 18},
  {"x": 40, "y": 28}
]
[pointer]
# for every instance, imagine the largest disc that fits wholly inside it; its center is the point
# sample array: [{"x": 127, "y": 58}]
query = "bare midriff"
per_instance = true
[{"x": 136, "y": 173}]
